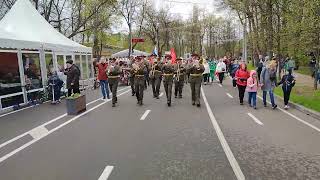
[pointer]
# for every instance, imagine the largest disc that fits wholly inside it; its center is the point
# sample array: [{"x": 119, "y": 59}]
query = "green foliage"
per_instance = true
[
  {"x": 307, "y": 98},
  {"x": 74, "y": 96}
]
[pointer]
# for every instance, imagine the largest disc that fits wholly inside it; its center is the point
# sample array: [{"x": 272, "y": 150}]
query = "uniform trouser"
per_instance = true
[
  {"x": 195, "y": 84},
  {"x": 168, "y": 89},
  {"x": 156, "y": 82},
  {"x": 178, "y": 86},
  {"x": 132, "y": 85},
  {"x": 139, "y": 87},
  {"x": 113, "y": 84}
]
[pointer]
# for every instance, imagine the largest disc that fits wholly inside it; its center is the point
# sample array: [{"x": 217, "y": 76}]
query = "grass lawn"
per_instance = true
[
  {"x": 250, "y": 67},
  {"x": 304, "y": 70},
  {"x": 304, "y": 96}
]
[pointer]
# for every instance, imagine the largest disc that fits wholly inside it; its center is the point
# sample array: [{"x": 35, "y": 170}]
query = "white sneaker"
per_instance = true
[{"x": 286, "y": 107}]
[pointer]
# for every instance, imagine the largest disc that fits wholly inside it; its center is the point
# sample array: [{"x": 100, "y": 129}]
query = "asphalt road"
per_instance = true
[{"x": 220, "y": 140}]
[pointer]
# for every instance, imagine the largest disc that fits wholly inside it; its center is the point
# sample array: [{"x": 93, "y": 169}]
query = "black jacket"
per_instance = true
[{"x": 73, "y": 76}]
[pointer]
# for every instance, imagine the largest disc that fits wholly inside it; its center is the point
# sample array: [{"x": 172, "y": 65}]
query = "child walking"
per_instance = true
[
  {"x": 252, "y": 88},
  {"x": 287, "y": 81}
]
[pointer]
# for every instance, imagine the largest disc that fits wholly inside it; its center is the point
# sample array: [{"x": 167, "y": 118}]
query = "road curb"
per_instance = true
[{"x": 303, "y": 109}]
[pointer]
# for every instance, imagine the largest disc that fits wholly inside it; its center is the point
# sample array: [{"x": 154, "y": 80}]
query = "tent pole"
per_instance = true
[
  {"x": 43, "y": 68},
  {"x": 22, "y": 77}
]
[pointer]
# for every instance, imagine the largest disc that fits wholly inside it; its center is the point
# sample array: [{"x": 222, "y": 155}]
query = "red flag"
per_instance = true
[{"x": 173, "y": 56}]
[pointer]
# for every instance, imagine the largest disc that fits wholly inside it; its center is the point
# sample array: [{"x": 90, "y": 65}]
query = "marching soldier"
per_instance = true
[
  {"x": 139, "y": 79},
  {"x": 195, "y": 69},
  {"x": 114, "y": 72},
  {"x": 180, "y": 72},
  {"x": 155, "y": 76},
  {"x": 168, "y": 71},
  {"x": 131, "y": 77}
]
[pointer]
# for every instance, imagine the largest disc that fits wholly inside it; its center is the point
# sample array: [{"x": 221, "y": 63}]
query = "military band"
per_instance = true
[{"x": 167, "y": 71}]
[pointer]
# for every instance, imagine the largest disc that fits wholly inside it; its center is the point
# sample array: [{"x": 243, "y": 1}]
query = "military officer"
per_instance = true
[
  {"x": 168, "y": 72},
  {"x": 180, "y": 71},
  {"x": 155, "y": 76},
  {"x": 114, "y": 72},
  {"x": 195, "y": 69},
  {"x": 139, "y": 79}
]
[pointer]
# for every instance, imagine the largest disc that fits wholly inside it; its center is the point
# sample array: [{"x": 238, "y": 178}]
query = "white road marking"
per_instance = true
[
  {"x": 228, "y": 94},
  {"x": 255, "y": 119},
  {"x": 232, "y": 160},
  {"x": 220, "y": 85},
  {"x": 12, "y": 112},
  {"x": 161, "y": 94},
  {"x": 51, "y": 131},
  {"x": 295, "y": 117},
  {"x": 15, "y": 111},
  {"x": 106, "y": 173},
  {"x": 143, "y": 117},
  {"x": 39, "y": 132}
]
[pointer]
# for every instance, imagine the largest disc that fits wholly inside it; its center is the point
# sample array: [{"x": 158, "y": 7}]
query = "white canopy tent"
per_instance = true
[
  {"x": 24, "y": 32},
  {"x": 125, "y": 53},
  {"x": 24, "y": 28}
]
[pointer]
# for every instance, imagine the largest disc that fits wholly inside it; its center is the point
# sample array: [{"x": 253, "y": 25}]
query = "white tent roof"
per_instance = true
[
  {"x": 125, "y": 53},
  {"x": 24, "y": 28}
]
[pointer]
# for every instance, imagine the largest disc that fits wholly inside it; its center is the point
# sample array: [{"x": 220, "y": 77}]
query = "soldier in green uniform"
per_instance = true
[
  {"x": 114, "y": 72},
  {"x": 195, "y": 69},
  {"x": 139, "y": 79},
  {"x": 180, "y": 72},
  {"x": 155, "y": 76},
  {"x": 131, "y": 77},
  {"x": 168, "y": 72}
]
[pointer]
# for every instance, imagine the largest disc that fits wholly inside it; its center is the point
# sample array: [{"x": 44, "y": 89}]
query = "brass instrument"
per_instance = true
[{"x": 153, "y": 69}]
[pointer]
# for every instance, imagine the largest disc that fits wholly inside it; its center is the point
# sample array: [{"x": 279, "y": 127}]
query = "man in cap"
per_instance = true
[
  {"x": 114, "y": 72},
  {"x": 168, "y": 71},
  {"x": 195, "y": 69},
  {"x": 180, "y": 72},
  {"x": 139, "y": 79},
  {"x": 73, "y": 75},
  {"x": 155, "y": 75}
]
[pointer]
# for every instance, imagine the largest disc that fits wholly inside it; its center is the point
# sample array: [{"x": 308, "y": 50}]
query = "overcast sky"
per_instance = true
[{"x": 183, "y": 8}]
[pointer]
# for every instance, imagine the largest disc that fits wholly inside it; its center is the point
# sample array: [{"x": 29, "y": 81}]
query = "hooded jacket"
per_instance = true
[{"x": 252, "y": 83}]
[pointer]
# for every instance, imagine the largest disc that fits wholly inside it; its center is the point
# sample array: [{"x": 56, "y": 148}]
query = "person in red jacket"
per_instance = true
[
  {"x": 242, "y": 76},
  {"x": 103, "y": 78}
]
